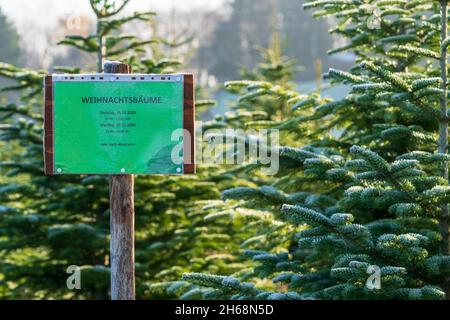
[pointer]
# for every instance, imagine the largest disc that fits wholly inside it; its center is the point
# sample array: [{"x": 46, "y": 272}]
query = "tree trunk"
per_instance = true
[{"x": 443, "y": 133}]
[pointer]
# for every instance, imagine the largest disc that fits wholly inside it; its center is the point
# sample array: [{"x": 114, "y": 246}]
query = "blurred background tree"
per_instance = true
[
  {"x": 249, "y": 25},
  {"x": 10, "y": 50},
  {"x": 225, "y": 36}
]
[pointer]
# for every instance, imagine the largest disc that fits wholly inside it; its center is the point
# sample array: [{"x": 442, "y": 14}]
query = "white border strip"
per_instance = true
[{"x": 114, "y": 77}]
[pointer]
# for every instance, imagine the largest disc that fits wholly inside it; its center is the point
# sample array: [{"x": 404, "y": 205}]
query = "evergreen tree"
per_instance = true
[
  {"x": 368, "y": 194},
  {"x": 10, "y": 50},
  {"x": 48, "y": 223}
]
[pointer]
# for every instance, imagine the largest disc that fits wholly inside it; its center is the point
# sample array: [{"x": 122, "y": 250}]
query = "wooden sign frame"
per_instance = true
[{"x": 188, "y": 117}]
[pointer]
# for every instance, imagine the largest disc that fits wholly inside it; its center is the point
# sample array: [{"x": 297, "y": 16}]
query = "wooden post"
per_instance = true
[{"x": 121, "y": 197}]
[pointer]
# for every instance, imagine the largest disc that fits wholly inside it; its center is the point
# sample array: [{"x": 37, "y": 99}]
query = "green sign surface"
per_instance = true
[{"x": 116, "y": 127}]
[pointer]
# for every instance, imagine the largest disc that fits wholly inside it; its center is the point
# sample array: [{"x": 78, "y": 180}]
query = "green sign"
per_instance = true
[{"x": 118, "y": 124}]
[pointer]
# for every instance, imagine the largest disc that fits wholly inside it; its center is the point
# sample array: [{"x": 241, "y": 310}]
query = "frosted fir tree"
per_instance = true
[{"x": 368, "y": 205}]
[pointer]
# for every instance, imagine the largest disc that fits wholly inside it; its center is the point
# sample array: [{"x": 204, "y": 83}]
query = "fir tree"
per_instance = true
[
  {"x": 372, "y": 198},
  {"x": 48, "y": 223}
]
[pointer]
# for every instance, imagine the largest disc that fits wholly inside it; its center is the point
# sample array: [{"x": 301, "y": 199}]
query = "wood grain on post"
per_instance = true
[
  {"x": 49, "y": 151},
  {"x": 121, "y": 197}
]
